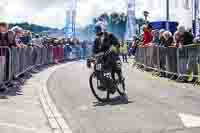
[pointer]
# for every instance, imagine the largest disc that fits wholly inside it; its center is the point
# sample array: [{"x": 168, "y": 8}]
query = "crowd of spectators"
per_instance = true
[
  {"x": 20, "y": 38},
  {"x": 14, "y": 39},
  {"x": 165, "y": 38},
  {"x": 186, "y": 63},
  {"x": 17, "y": 37}
]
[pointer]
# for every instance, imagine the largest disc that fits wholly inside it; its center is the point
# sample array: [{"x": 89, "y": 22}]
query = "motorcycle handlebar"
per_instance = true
[{"x": 102, "y": 53}]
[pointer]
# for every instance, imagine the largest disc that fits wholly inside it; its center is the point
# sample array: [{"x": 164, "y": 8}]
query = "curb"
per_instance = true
[{"x": 55, "y": 119}]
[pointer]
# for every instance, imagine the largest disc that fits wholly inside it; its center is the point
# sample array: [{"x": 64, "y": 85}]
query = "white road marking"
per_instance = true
[
  {"x": 189, "y": 120},
  {"x": 18, "y": 126},
  {"x": 46, "y": 100}
]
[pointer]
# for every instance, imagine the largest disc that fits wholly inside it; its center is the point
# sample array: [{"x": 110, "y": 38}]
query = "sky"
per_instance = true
[{"x": 52, "y": 12}]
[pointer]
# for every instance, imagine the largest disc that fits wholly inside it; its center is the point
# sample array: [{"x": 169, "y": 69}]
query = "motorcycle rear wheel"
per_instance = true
[{"x": 121, "y": 88}]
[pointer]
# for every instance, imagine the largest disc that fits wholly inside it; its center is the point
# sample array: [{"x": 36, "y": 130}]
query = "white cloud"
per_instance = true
[{"x": 52, "y": 12}]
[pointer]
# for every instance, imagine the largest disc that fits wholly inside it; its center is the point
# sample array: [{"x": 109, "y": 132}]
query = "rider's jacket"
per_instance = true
[{"x": 104, "y": 42}]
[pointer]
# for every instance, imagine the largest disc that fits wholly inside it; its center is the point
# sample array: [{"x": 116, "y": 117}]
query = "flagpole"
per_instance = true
[
  {"x": 195, "y": 17},
  {"x": 167, "y": 14}
]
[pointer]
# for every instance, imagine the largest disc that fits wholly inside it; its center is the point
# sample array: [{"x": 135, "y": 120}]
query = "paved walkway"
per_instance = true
[{"x": 21, "y": 111}]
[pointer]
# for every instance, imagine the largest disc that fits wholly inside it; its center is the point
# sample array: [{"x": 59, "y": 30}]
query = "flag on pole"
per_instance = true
[
  {"x": 186, "y": 4},
  {"x": 131, "y": 20},
  {"x": 69, "y": 24},
  {"x": 196, "y": 17}
]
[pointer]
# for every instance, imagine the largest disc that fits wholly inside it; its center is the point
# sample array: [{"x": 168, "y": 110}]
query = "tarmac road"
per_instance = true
[{"x": 156, "y": 105}]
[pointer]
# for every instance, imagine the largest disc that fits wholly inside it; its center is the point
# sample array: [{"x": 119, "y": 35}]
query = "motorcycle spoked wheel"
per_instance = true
[
  {"x": 121, "y": 88},
  {"x": 106, "y": 94},
  {"x": 102, "y": 96}
]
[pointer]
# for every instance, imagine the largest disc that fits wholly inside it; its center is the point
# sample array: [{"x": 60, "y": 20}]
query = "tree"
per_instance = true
[
  {"x": 140, "y": 22},
  {"x": 31, "y": 27},
  {"x": 116, "y": 24}
]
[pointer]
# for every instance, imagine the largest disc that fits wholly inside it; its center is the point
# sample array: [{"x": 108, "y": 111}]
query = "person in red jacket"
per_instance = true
[{"x": 148, "y": 37}]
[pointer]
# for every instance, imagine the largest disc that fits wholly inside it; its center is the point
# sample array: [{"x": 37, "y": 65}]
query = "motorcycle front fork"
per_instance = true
[{"x": 119, "y": 74}]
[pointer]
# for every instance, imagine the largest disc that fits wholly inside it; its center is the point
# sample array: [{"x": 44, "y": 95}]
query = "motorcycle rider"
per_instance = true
[{"x": 105, "y": 42}]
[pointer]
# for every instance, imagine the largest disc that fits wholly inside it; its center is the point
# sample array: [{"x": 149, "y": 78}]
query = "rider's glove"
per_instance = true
[{"x": 88, "y": 63}]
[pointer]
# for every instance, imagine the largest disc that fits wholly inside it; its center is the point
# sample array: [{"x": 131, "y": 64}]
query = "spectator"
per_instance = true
[
  {"x": 168, "y": 39},
  {"x": 156, "y": 39},
  {"x": 77, "y": 46},
  {"x": 19, "y": 32},
  {"x": 68, "y": 41},
  {"x": 60, "y": 42},
  {"x": 165, "y": 41},
  {"x": 56, "y": 42},
  {"x": 84, "y": 48},
  {"x": 26, "y": 38},
  {"x": 147, "y": 34},
  {"x": 187, "y": 61},
  {"x": 161, "y": 37},
  {"x": 124, "y": 51},
  {"x": 185, "y": 37},
  {"x": 177, "y": 38},
  {"x": 134, "y": 45},
  {"x": 68, "y": 48},
  {"x": 37, "y": 41},
  {"x": 7, "y": 38}
]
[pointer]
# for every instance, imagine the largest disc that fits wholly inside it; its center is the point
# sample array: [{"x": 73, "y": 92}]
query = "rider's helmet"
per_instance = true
[{"x": 100, "y": 27}]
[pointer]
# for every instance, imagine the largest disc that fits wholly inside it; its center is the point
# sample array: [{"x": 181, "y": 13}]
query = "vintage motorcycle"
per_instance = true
[{"x": 103, "y": 81}]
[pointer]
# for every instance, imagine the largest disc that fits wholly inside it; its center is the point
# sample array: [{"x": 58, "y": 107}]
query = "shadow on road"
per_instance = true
[
  {"x": 114, "y": 101},
  {"x": 14, "y": 87}
]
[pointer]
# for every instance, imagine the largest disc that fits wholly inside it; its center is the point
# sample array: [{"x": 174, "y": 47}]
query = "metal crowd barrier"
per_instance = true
[
  {"x": 17, "y": 61},
  {"x": 180, "y": 62},
  {"x": 5, "y": 65},
  {"x": 189, "y": 62}
]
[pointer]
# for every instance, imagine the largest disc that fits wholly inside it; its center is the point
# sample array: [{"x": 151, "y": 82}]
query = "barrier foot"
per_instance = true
[
  {"x": 157, "y": 73},
  {"x": 27, "y": 75},
  {"x": 134, "y": 64},
  {"x": 180, "y": 78},
  {"x": 13, "y": 83},
  {"x": 196, "y": 82},
  {"x": 3, "y": 91},
  {"x": 172, "y": 77},
  {"x": 142, "y": 69},
  {"x": 21, "y": 81},
  {"x": 154, "y": 73},
  {"x": 34, "y": 70}
]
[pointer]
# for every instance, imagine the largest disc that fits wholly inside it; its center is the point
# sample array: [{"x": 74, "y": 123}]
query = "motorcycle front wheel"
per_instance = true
[{"x": 101, "y": 94}]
